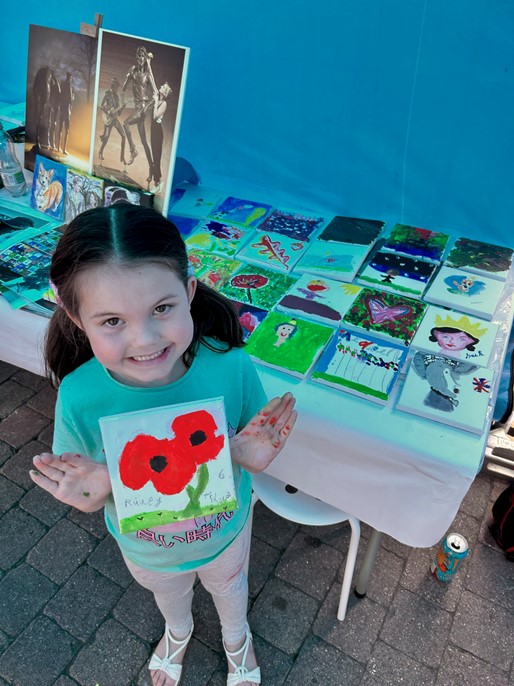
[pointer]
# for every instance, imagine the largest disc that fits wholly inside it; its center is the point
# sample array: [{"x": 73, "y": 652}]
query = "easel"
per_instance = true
[{"x": 92, "y": 29}]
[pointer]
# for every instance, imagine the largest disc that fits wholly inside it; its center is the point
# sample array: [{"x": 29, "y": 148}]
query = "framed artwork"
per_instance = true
[
  {"x": 397, "y": 273},
  {"x": 83, "y": 192},
  {"x": 135, "y": 196},
  {"x": 61, "y": 75},
  {"x": 138, "y": 106},
  {"x": 288, "y": 343},
  {"x": 257, "y": 286},
  {"x": 340, "y": 261},
  {"x": 482, "y": 258},
  {"x": 360, "y": 364},
  {"x": 465, "y": 291},
  {"x": 49, "y": 187},
  {"x": 416, "y": 242},
  {"x": 456, "y": 335},
  {"x": 352, "y": 230},
  {"x": 219, "y": 237},
  {"x": 273, "y": 250},
  {"x": 323, "y": 300},
  {"x": 240, "y": 211},
  {"x": 296, "y": 225},
  {"x": 169, "y": 464},
  {"x": 387, "y": 315},
  {"x": 449, "y": 391}
]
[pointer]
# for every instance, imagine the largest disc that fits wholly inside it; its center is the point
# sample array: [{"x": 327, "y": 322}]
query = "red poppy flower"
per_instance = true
[
  {"x": 195, "y": 434},
  {"x": 171, "y": 464},
  {"x": 147, "y": 458}
]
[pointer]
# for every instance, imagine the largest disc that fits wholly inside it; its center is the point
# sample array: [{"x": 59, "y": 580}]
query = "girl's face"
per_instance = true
[{"x": 137, "y": 320}]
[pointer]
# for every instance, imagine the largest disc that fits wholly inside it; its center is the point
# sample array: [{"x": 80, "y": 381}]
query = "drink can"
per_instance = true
[{"x": 451, "y": 552}]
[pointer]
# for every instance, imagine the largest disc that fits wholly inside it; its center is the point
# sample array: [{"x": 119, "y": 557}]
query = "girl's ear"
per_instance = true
[
  {"x": 75, "y": 320},
  {"x": 191, "y": 288}
]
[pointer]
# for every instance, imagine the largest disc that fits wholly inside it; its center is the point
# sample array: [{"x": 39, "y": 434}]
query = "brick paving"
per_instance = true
[{"x": 70, "y": 614}]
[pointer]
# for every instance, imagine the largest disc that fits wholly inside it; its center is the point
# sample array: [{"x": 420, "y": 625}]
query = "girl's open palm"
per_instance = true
[
  {"x": 257, "y": 445},
  {"x": 73, "y": 479}
]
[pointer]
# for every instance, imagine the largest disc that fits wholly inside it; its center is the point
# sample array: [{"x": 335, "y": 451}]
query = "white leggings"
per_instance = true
[{"x": 224, "y": 578}]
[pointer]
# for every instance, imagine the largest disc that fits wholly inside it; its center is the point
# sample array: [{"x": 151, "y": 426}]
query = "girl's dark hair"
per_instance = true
[{"x": 125, "y": 234}]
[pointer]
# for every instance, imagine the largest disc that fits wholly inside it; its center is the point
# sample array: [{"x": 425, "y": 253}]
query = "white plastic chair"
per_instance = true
[{"x": 296, "y": 506}]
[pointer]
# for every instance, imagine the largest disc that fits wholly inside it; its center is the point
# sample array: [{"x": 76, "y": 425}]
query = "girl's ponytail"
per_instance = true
[{"x": 66, "y": 347}]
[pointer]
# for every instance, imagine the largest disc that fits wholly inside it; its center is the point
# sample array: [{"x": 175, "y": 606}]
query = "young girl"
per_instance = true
[{"x": 134, "y": 331}]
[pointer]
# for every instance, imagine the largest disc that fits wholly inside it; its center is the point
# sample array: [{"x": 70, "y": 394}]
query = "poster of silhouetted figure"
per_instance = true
[
  {"x": 150, "y": 128},
  {"x": 60, "y": 96}
]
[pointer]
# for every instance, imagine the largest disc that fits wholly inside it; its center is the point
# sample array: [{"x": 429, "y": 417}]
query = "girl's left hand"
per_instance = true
[{"x": 257, "y": 445}]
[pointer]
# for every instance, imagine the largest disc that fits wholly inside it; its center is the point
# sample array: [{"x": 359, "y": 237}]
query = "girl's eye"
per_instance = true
[
  {"x": 161, "y": 309},
  {"x": 113, "y": 321}
]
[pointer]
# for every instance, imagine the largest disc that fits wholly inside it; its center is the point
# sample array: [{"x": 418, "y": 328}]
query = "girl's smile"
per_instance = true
[{"x": 137, "y": 320}]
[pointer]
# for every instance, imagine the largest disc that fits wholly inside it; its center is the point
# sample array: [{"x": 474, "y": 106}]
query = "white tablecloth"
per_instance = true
[{"x": 403, "y": 475}]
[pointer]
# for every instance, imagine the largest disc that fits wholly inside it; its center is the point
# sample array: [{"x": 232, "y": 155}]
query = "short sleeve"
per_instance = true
[{"x": 66, "y": 438}]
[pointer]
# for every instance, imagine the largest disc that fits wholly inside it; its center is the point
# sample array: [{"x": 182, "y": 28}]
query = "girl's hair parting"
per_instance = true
[{"x": 125, "y": 234}]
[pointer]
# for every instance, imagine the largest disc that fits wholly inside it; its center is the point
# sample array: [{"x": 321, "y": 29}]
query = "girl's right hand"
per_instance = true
[{"x": 73, "y": 479}]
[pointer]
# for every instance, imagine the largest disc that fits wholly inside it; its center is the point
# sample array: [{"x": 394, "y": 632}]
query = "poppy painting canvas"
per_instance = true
[{"x": 169, "y": 464}]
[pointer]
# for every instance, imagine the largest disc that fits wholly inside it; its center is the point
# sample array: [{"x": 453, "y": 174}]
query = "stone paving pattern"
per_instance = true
[{"x": 70, "y": 614}]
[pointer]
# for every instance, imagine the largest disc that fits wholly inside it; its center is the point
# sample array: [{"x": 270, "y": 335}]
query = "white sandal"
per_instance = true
[
  {"x": 166, "y": 664},
  {"x": 241, "y": 674}
]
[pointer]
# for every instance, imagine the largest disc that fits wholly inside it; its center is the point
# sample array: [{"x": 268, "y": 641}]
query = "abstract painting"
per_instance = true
[
  {"x": 449, "y": 391},
  {"x": 169, "y": 464},
  {"x": 360, "y": 364},
  {"x": 219, "y": 237},
  {"x": 240, "y": 211},
  {"x": 416, "y": 242},
  {"x": 293, "y": 224},
  {"x": 480, "y": 258},
  {"x": 288, "y": 343},
  {"x": 352, "y": 230}
]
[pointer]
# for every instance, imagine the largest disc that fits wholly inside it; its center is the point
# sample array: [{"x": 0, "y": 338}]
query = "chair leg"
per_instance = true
[
  {"x": 349, "y": 568},
  {"x": 246, "y": 565}
]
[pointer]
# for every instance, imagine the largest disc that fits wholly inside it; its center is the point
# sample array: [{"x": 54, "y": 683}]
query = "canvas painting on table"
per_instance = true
[
  {"x": 219, "y": 237},
  {"x": 464, "y": 291},
  {"x": 386, "y": 314},
  {"x": 18, "y": 222},
  {"x": 257, "y": 286},
  {"x": 185, "y": 225},
  {"x": 61, "y": 74},
  {"x": 169, "y": 464},
  {"x": 416, "y": 242},
  {"x": 241, "y": 211},
  {"x": 360, "y": 364},
  {"x": 288, "y": 343},
  {"x": 273, "y": 250},
  {"x": 49, "y": 187},
  {"x": 296, "y": 225},
  {"x": 339, "y": 261},
  {"x": 249, "y": 317},
  {"x": 194, "y": 200},
  {"x": 213, "y": 270},
  {"x": 352, "y": 230},
  {"x": 323, "y": 300},
  {"x": 480, "y": 258},
  {"x": 83, "y": 192},
  {"x": 456, "y": 335},
  {"x": 397, "y": 273},
  {"x": 138, "y": 108},
  {"x": 449, "y": 391}
]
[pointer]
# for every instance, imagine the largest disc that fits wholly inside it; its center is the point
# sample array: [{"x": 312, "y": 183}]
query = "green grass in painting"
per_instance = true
[
  {"x": 338, "y": 381},
  {"x": 396, "y": 287},
  {"x": 147, "y": 520}
]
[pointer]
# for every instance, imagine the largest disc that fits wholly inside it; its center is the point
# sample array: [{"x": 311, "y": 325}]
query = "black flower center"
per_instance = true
[
  {"x": 158, "y": 463},
  {"x": 198, "y": 437}
]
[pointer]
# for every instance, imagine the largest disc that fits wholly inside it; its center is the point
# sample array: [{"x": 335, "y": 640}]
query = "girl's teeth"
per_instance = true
[{"x": 145, "y": 358}]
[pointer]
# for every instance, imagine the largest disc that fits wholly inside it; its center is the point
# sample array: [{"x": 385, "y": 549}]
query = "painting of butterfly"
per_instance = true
[{"x": 386, "y": 314}]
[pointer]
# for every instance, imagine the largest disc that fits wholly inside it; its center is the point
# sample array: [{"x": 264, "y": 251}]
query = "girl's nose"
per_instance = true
[{"x": 144, "y": 334}]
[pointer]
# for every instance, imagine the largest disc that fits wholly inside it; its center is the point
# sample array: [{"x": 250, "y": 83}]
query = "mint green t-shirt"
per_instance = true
[{"x": 89, "y": 393}]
